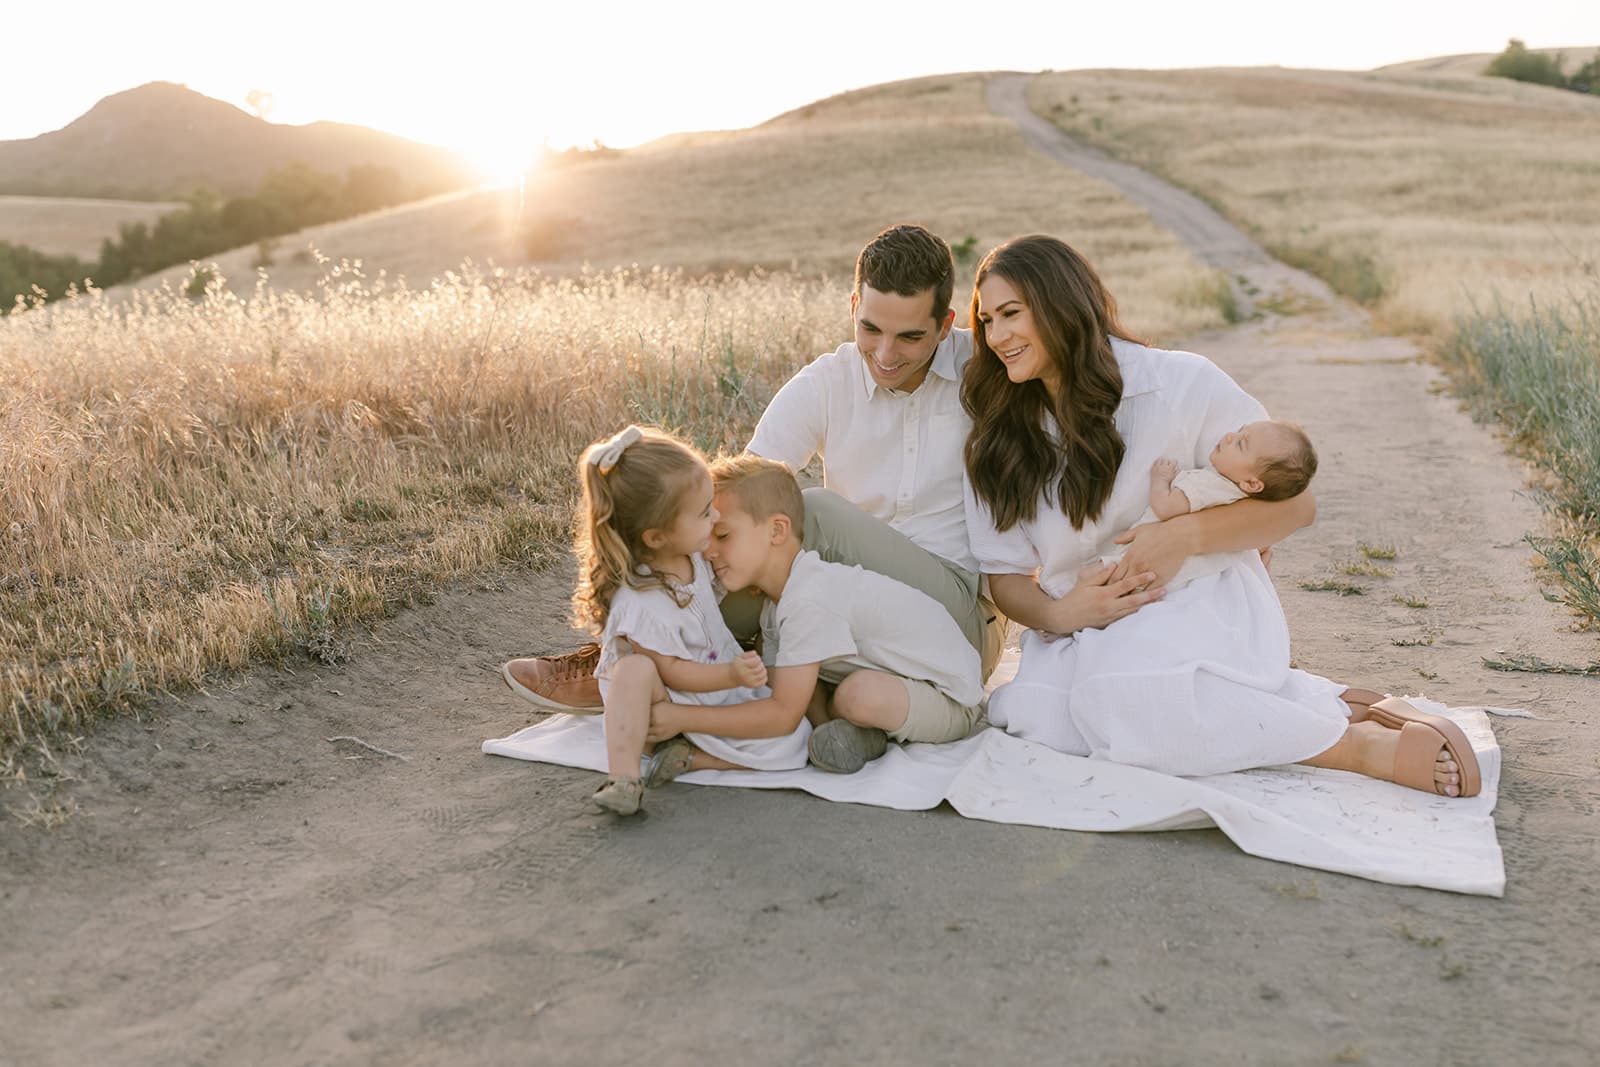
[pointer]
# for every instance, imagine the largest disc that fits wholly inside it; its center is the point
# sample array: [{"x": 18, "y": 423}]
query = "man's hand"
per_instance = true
[
  {"x": 1157, "y": 548},
  {"x": 748, "y": 670}
]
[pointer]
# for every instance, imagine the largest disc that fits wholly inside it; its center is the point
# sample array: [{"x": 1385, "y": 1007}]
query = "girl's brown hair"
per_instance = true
[
  {"x": 632, "y": 482},
  {"x": 1012, "y": 457}
]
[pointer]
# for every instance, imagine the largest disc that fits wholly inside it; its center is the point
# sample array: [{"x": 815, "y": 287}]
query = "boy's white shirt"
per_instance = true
[
  {"x": 844, "y": 618},
  {"x": 895, "y": 455}
]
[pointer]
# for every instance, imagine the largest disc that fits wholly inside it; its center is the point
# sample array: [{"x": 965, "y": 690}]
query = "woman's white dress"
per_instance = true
[
  {"x": 1196, "y": 683},
  {"x": 652, "y": 618}
]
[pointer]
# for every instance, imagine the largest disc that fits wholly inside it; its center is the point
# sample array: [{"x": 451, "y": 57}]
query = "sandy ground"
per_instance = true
[{"x": 234, "y": 888}]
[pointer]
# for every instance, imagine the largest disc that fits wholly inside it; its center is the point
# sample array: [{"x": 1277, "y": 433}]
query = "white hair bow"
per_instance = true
[{"x": 606, "y": 456}]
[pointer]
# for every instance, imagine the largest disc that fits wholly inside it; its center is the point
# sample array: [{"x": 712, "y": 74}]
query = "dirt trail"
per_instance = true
[{"x": 236, "y": 889}]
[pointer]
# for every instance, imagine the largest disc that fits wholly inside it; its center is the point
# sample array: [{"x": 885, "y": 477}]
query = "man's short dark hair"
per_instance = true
[{"x": 907, "y": 260}]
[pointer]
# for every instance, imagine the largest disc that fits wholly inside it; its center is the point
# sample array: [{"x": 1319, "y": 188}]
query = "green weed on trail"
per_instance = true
[{"x": 1538, "y": 373}]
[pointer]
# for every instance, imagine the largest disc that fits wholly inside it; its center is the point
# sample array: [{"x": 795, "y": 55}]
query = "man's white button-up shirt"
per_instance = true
[{"x": 895, "y": 455}]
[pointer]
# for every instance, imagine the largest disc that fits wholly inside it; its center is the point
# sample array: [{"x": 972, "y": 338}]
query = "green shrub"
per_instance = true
[
  {"x": 26, "y": 272},
  {"x": 1587, "y": 77},
  {"x": 1525, "y": 66},
  {"x": 201, "y": 279},
  {"x": 1351, "y": 273},
  {"x": 1214, "y": 290}
]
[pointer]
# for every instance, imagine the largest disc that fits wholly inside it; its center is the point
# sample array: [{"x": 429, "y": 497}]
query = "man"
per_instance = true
[{"x": 884, "y": 412}]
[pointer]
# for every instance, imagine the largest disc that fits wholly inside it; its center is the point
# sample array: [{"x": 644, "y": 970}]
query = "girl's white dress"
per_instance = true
[
  {"x": 696, "y": 632},
  {"x": 1196, "y": 683}
]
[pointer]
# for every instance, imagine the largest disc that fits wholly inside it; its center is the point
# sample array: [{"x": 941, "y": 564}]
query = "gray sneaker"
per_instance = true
[{"x": 841, "y": 747}]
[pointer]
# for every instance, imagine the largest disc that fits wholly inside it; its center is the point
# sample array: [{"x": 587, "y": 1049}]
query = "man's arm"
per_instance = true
[
  {"x": 1160, "y": 548},
  {"x": 776, "y": 716},
  {"x": 793, "y": 424}
]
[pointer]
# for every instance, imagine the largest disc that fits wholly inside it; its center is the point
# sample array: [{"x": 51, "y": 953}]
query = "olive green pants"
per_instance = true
[{"x": 840, "y": 532}]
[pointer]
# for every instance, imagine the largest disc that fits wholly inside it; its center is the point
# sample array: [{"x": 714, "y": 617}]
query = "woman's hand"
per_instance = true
[
  {"x": 748, "y": 670},
  {"x": 1157, "y": 548},
  {"x": 663, "y": 722},
  {"x": 1098, "y": 600}
]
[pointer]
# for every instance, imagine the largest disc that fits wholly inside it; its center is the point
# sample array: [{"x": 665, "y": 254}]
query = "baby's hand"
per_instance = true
[
  {"x": 1163, "y": 471},
  {"x": 749, "y": 671}
]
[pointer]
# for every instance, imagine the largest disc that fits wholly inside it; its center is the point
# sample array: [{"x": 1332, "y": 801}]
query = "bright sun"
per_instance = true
[{"x": 500, "y": 159}]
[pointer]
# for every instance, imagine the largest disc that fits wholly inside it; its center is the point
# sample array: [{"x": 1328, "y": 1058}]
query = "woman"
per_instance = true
[{"x": 1069, "y": 413}]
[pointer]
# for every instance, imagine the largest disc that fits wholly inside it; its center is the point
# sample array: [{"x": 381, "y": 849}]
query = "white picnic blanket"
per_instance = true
[{"x": 1328, "y": 820}]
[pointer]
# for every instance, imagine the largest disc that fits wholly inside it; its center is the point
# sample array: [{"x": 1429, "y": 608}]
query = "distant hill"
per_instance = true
[
  {"x": 771, "y": 196},
  {"x": 1474, "y": 62},
  {"x": 161, "y": 140}
]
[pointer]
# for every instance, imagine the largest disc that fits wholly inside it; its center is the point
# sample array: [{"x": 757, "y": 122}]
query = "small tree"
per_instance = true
[
  {"x": 1587, "y": 77},
  {"x": 1525, "y": 66}
]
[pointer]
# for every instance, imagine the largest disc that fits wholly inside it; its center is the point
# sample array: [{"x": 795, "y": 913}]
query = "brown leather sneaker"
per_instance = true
[{"x": 562, "y": 683}]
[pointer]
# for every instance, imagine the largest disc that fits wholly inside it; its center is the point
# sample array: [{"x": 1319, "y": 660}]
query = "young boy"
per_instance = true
[
  {"x": 1267, "y": 460},
  {"x": 865, "y": 657}
]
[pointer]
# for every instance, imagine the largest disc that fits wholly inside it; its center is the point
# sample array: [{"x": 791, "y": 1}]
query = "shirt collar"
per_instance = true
[
  {"x": 943, "y": 365},
  {"x": 1133, "y": 360}
]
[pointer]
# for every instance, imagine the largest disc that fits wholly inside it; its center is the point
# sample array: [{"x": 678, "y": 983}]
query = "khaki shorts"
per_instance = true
[{"x": 935, "y": 717}]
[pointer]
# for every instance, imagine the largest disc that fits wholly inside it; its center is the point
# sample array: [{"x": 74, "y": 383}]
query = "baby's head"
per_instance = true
[
  {"x": 760, "y": 510},
  {"x": 1269, "y": 460}
]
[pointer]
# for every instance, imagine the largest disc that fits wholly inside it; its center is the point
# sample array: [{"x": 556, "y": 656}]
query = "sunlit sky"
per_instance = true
[{"x": 496, "y": 79}]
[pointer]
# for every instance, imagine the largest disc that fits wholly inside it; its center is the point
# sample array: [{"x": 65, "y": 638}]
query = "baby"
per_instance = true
[{"x": 1268, "y": 460}]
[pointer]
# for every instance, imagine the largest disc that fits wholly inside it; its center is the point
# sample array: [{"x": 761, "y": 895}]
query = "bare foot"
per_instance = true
[
  {"x": 1384, "y": 742},
  {"x": 1370, "y": 748}
]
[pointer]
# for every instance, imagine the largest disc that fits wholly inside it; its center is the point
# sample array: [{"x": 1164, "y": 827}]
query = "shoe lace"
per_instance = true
[{"x": 572, "y": 665}]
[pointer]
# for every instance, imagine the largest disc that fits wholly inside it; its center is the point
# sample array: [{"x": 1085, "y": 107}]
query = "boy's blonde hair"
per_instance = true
[
  {"x": 1287, "y": 474},
  {"x": 763, "y": 488},
  {"x": 632, "y": 482}
]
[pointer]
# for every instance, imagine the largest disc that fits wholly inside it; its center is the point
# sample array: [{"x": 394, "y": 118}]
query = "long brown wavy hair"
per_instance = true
[
  {"x": 644, "y": 490},
  {"x": 1011, "y": 456}
]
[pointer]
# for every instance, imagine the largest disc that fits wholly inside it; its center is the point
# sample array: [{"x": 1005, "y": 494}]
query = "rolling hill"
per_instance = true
[
  {"x": 1473, "y": 62},
  {"x": 1397, "y": 174},
  {"x": 161, "y": 140}
]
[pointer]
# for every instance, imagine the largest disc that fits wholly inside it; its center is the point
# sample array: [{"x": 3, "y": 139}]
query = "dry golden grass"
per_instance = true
[
  {"x": 197, "y": 484},
  {"x": 65, "y": 226},
  {"x": 1456, "y": 189}
]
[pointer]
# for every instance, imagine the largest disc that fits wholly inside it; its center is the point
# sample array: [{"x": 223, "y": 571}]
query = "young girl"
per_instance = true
[{"x": 644, "y": 587}]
